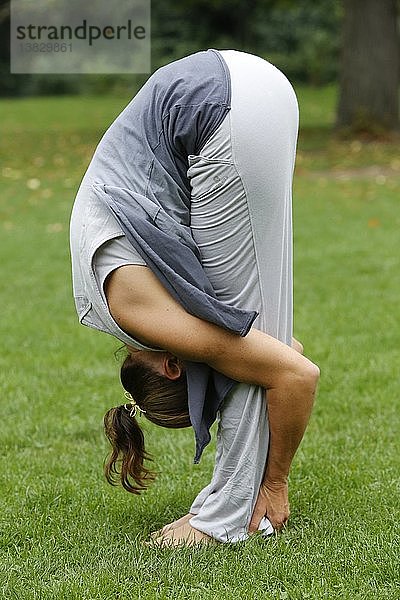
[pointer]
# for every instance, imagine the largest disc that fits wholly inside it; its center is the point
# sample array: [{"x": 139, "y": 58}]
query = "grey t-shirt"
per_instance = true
[
  {"x": 146, "y": 148},
  {"x": 111, "y": 255}
]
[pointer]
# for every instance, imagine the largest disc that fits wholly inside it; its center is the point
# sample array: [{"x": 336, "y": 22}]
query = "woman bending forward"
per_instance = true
[{"x": 181, "y": 243}]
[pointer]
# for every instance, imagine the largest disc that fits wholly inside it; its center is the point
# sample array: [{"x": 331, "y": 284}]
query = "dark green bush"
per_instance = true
[{"x": 300, "y": 37}]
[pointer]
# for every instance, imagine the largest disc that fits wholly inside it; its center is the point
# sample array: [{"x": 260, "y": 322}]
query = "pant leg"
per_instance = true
[{"x": 241, "y": 221}]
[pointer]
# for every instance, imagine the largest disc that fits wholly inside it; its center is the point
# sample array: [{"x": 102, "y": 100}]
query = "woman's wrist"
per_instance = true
[
  {"x": 275, "y": 479},
  {"x": 275, "y": 473}
]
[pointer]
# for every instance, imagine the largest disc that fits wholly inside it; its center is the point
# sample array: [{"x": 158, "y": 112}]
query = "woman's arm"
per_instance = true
[
  {"x": 273, "y": 497},
  {"x": 142, "y": 307}
]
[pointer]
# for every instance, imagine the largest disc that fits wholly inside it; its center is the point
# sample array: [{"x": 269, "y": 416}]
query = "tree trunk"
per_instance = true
[{"x": 370, "y": 70}]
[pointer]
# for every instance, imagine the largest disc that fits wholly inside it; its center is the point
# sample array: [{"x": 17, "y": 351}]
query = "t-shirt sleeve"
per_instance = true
[{"x": 111, "y": 255}]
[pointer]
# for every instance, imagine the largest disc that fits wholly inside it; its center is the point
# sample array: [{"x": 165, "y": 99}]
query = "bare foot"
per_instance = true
[
  {"x": 173, "y": 525},
  {"x": 184, "y": 535}
]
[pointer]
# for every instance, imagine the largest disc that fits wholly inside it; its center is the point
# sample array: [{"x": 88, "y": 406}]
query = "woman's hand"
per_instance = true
[{"x": 272, "y": 502}]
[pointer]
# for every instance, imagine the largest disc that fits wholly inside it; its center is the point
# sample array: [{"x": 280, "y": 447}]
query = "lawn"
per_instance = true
[{"x": 66, "y": 534}]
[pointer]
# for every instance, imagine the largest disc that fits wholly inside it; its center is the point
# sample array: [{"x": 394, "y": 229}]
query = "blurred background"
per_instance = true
[
  {"x": 64, "y": 533},
  {"x": 354, "y": 43}
]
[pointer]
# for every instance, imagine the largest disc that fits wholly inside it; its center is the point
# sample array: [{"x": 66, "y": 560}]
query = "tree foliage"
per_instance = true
[{"x": 301, "y": 38}]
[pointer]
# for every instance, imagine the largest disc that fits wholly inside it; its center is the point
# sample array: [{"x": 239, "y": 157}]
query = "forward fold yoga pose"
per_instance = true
[{"x": 181, "y": 248}]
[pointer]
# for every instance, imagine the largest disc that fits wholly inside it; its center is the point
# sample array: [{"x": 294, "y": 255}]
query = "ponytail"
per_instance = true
[{"x": 127, "y": 441}]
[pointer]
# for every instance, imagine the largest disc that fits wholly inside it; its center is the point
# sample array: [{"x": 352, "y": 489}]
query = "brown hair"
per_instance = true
[{"x": 165, "y": 403}]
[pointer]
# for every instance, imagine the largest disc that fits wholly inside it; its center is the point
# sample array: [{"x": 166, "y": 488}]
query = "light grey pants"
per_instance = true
[{"x": 241, "y": 220}]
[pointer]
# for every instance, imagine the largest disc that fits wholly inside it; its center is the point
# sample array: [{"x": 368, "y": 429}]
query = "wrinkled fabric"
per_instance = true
[
  {"x": 139, "y": 172},
  {"x": 170, "y": 251}
]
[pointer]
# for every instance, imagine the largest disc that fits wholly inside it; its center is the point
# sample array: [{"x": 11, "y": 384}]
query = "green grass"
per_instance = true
[{"x": 64, "y": 533}]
